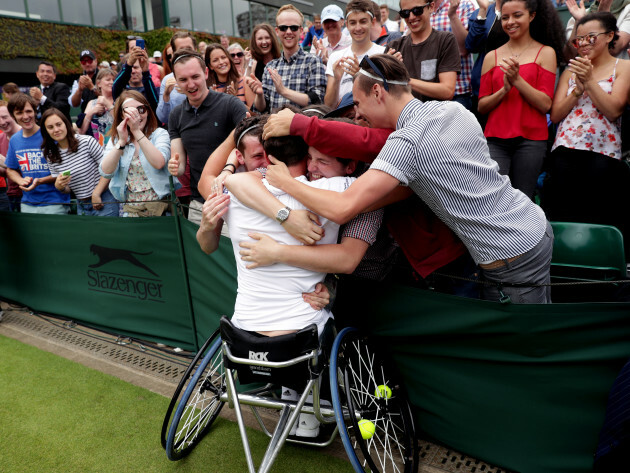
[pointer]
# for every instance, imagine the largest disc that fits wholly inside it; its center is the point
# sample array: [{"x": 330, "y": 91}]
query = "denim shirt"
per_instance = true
[{"x": 159, "y": 178}]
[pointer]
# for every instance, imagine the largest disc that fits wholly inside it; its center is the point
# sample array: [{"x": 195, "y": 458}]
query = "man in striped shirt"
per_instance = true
[{"x": 439, "y": 151}]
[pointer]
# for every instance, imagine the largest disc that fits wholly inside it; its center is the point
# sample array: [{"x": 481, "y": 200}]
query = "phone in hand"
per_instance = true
[
  {"x": 65, "y": 173},
  {"x": 140, "y": 43}
]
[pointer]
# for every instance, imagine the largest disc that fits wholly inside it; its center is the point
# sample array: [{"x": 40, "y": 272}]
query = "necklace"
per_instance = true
[{"x": 525, "y": 49}]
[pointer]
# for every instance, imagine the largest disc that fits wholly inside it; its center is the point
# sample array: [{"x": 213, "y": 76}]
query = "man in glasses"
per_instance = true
[
  {"x": 439, "y": 151},
  {"x": 295, "y": 77},
  {"x": 431, "y": 56},
  {"x": 342, "y": 65},
  {"x": 83, "y": 88}
]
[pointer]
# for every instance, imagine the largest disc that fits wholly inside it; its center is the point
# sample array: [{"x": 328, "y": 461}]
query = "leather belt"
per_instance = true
[{"x": 499, "y": 263}]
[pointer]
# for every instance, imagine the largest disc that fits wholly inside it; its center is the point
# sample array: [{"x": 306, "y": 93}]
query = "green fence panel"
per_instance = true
[
  {"x": 122, "y": 275},
  {"x": 212, "y": 280},
  {"x": 523, "y": 387}
]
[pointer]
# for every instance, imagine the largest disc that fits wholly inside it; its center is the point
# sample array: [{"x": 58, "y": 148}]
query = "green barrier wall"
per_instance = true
[{"x": 523, "y": 387}]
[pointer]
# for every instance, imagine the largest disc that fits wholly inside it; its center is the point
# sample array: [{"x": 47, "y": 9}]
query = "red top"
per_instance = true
[
  {"x": 514, "y": 116},
  {"x": 425, "y": 240}
]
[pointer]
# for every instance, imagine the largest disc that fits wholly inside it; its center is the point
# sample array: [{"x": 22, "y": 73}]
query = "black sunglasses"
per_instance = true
[
  {"x": 237, "y": 54},
  {"x": 141, "y": 109},
  {"x": 283, "y": 28},
  {"x": 417, "y": 11}
]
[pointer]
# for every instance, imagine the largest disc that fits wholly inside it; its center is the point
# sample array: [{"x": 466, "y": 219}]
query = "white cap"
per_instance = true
[
  {"x": 157, "y": 54},
  {"x": 332, "y": 12}
]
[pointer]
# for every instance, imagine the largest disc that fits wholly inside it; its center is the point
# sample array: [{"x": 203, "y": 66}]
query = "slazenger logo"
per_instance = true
[
  {"x": 258, "y": 355},
  {"x": 126, "y": 285}
]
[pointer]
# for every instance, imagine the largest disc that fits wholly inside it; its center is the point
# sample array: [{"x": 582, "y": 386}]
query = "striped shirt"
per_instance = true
[
  {"x": 439, "y": 151},
  {"x": 83, "y": 166}
]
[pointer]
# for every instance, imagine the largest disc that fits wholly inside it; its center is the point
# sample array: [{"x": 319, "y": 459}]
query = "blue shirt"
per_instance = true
[{"x": 25, "y": 155}]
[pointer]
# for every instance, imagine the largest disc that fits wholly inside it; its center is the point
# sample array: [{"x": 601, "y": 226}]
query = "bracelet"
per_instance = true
[
  {"x": 143, "y": 136},
  {"x": 577, "y": 95},
  {"x": 230, "y": 164}
]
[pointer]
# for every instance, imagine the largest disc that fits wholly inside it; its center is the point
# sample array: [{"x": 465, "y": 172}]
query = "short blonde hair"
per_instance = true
[{"x": 288, "y": 8}]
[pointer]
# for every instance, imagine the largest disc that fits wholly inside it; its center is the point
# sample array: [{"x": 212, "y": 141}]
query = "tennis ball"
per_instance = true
[
  {"x": 383, "y": 390},
  {"x": 366, "y": 428}
]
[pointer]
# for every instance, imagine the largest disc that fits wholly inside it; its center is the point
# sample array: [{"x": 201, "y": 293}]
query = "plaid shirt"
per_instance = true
[
  {"x": 440, "y": 21},
  {"x": 303, "y": 73}
]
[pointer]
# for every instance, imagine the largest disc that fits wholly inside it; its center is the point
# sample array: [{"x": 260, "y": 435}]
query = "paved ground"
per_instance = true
[{"x": 159, "y": 369}]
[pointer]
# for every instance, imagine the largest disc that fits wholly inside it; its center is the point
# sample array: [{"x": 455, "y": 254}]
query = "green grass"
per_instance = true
[{"x": 59, "y": 416}]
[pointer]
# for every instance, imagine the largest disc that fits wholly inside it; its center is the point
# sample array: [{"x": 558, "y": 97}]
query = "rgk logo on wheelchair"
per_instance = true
[
  {"x": 258, "y": 356},
  {"x": 369, "y": 406}
]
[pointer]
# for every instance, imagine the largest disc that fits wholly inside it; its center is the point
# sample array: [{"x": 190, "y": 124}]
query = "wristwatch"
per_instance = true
[
  {"x": 118, "y": 145},
  {"x": 283, "y": 214}
]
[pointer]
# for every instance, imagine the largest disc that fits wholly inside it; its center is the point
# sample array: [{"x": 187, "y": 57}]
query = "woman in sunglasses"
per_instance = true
[
  {"x": 264, "y": 47},
  {"x": 223, "y": 75},
  {"x": 238, "y": 56},
  {"x": 516, "y": 90},
  {"x": 136, "y": 157},
  {"x": 590, "y": 99}
]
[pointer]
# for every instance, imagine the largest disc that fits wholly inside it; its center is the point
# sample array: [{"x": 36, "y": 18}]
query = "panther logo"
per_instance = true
[{"x": 107, "y": 255}]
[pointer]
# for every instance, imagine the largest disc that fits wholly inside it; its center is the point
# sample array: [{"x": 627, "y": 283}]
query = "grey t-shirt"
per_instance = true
[
  {"x": 426, "y": 60},
  {"x": 203, "y": 129}
]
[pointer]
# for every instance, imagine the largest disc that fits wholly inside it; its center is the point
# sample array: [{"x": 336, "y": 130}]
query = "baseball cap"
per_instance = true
[
  {"x": 332, "y": 12},
  {"x": 157, "y": 54},
  {"x": 347, "y": 101},
  {"x": 87, "y": 52}
]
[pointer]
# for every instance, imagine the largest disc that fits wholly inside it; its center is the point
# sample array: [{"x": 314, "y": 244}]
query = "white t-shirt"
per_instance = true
[
  {"x": 345, "y": 85},
  {"x": 270, "y": 297}
]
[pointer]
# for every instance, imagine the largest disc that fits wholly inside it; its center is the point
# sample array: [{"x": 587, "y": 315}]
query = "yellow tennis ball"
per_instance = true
[
  {"x": 383, "y": 390},
  {"x": 366, "y": 428}
]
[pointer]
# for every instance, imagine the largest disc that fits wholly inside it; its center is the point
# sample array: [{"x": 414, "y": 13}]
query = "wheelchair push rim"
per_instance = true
[
  {"x": 199, "y": 405},
  {"x": 371, "y": 408},
  {"x": 192, "y": 368}
]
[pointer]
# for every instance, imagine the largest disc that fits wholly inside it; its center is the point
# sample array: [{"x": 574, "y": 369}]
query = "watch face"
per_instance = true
[{"x": 283, "y": 214}]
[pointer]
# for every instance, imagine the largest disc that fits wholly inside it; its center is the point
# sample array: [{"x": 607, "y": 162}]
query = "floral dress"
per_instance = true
[
  {"x": 586, "y": 128},
  {"x": 138, "y": 186}
]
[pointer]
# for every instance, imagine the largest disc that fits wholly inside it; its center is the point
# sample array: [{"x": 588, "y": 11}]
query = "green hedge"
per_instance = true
[{"x": 61, "y": 44}]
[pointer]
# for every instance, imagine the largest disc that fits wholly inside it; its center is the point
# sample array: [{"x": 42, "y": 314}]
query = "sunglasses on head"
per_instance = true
[
  {"x": 293, "y": 28},
  {"x": 588, "y": 38},
  {"x": 417, "y": 11},
  {"x": 141, "y": 109},
  {"x": 237, "y": 54}
]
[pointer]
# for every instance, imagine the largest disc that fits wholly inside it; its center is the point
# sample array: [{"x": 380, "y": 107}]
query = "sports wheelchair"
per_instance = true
[{"x": 370, "y": 409}]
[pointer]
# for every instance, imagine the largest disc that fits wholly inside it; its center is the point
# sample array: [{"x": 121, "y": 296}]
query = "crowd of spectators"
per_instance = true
[{"x": 546, "y": 100}]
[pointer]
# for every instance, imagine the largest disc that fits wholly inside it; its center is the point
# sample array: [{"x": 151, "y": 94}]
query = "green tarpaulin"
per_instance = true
[{"x": 523, "y": 387}]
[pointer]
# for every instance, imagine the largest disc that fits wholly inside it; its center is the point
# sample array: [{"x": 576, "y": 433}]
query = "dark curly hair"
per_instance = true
[
  {"x": 546, "y": 27},
  {"x": 606, "y": 19}
]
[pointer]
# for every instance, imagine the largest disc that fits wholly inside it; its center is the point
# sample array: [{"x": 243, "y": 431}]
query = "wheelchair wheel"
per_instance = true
[
  {"x": 199, "y": 405},
  {"x": 192, "y": 368},
  {"x": 371, "y": 408}
]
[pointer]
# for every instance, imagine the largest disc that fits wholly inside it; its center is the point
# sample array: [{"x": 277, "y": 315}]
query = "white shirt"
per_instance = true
[
  {"x": 270, "y": 297},
  {"x": 345, "y": 85}
]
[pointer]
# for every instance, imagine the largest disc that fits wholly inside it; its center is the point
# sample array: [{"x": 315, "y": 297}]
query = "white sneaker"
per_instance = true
[
  {"x": 291, "y": 395},
  {"x": 309, "y": 426}
]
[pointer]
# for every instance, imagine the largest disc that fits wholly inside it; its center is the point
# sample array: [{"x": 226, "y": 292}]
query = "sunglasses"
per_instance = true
[
  {"x": 589, "y": 38},
  {"x": 417, "y": 11},
  {"x": 237, "y": 54},
  {"x": 86, "y": 61},
  {"x": 141, "y": 109},
  {"x": 293, "y": 28}
]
